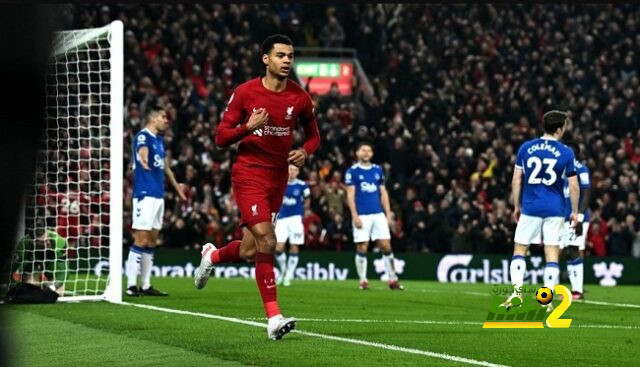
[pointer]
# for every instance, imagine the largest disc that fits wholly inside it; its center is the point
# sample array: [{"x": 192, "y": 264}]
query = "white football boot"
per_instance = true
[
  {"x": 204, "y": 271},
  {"x": 279, "y": 326}
]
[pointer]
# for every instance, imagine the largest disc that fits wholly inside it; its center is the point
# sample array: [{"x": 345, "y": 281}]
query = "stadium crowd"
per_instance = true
[{"x": 457, "y": 90}]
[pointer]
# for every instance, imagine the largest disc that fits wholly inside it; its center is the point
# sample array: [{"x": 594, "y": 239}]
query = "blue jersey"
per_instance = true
[
  {"x": 367, "y": 181},
  {"x": 293, "y": 201},
  {"x": 546, "y": 163},
  {"x": 148, "y": 183},
  {"x": 585, "y": 183}
]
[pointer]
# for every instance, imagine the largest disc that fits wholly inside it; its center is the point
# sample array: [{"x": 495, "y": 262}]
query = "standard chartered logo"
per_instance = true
[
  {"x": 289, "y": 201},
  {"x": 368, "y": 187}
]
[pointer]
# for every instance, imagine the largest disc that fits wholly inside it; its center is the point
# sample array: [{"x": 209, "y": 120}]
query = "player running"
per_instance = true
[
  {"x": 574, "y": 237},
  {"x": 289, "y": 225},
  {"x": 542, "y": 165},
  {"x": 262, "y": 114},
  {"x": 149, "y": 168},
  {"x": 367, "y": 197}
]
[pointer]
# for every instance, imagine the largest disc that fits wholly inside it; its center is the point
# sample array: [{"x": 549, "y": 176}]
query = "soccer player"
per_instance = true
[
  {"x": 574, "y": 237},
  {"x": 262, "y": 114},
  {"x": 542, "y": 165},
  {"x": 289, "y": 225},
  {"x": 44, "y": 252},
  {"x": 149, "y": 168},
  {"x": 367, "y": 197}
]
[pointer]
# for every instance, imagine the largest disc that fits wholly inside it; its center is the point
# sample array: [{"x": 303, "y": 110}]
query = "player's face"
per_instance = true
[
  {"x": 161, "y": 121},
  {"x": 364, "y": 154},
  {"x": 293, "y": 172},
  {"x": 279, "y": 60}
]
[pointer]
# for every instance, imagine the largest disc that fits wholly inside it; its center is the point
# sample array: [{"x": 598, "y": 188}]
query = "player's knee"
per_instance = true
[
  {"x": 385, "y": 246},
  {"x": 362, "y": 247},
  {"x": 248, "y": 254},
  {"x": 294, "y": 249}
]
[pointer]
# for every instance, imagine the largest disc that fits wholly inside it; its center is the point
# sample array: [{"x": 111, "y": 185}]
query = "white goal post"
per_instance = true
[{"x": 73, "y": 210}]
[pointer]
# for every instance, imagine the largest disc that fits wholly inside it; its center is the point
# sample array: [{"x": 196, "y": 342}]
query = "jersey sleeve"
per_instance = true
[
  {"x": 382, "y": 179},
  {"x": 584, "y": 179},
  {"x": 306, "y": 192},
  {"x": 141, "y": 141},
  {"x": 570, "y": 167},
  {"x": 228, "y": 131},
  {"x": 520, "y": 158},
  {"x": 348, "y": 178}
]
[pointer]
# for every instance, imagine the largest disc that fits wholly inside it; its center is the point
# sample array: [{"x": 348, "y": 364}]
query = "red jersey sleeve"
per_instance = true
[
  {"x": 228, "y": 131},
  {"x": 310, "y": 126}
]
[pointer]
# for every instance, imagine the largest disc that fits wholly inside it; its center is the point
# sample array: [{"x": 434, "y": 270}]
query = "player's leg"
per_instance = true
[
  {"x": 141, "y": 227},
  {"x": 282, "y": 234},
  {"x": 552, "y": 231},
  {"x": 292, "y": 264},
  {"x": 295, "y": 233},
  {"x": 361, "y": 237},
  {"x": 380, "y": 233},
  {"x": 576, "y": 257},
  {"x": 528, "y": 231},
  {"x": 149, "y": 252}
]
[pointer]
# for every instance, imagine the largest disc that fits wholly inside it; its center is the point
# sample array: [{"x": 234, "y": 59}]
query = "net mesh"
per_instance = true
[{"x": 66, "y": 237}]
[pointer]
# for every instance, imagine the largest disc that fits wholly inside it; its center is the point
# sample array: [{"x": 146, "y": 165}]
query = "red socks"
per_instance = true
[
  {"x": 266, "y": 280},
  {"x": 227, "y": 254}
]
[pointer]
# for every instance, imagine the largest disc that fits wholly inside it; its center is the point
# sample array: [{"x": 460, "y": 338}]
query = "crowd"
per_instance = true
[{"x": 457, "y": 89}]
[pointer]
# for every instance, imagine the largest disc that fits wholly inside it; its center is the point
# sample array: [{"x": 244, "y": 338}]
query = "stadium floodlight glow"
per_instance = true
[{"x": 78, "y": 186}]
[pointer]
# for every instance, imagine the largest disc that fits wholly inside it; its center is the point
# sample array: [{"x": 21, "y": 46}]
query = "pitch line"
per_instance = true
[
  {"x": 390, "y": 347},
  {"x": 601, "y": 303},
  {"x": 437, "y": 322}
]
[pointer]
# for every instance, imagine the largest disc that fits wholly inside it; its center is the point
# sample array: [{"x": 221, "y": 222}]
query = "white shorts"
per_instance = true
[
  {"x": 569, "y": 236},
  {"x": 290, "y": 228},
  {"x": 148, "y": 213},
  {"x": 374, "y": 227},
  {"x": 537, "y": 229}
]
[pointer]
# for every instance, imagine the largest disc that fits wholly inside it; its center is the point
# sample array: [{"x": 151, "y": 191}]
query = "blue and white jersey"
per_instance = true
[
  {"x": 148, "y": 183},
  {"x": 584, "y": 179},
  {"x": 367, "y": 181},
  {"x": 293, "y": 202},
  {"x": 546, "y": 163}
]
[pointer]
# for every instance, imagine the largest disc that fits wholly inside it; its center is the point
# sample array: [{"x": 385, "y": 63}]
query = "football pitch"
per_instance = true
[{"x": 428, "y": 324}]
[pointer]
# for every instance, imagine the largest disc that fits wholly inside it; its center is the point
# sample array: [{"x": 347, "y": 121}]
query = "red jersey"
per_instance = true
[{"x": 269, "y": 146}]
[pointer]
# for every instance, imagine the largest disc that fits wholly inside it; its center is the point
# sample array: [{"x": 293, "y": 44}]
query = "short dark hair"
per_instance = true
[
  {"x": 553, "y": 120},
  {"x": 267, "y": 44},
  {"x": 153, "y": 110},
  {"x": 364, "y": 142}
]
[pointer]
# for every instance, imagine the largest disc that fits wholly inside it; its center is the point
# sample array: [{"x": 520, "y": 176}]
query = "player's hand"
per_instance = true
[
  {"x": 259, "y": 117},
  {"x": 182, "y": 188},
  {"x": 297, "y": 157},
  {"x": 516, "y": 214},
  {"x": 357, "y": 222},
  {"x": 392, "y": 224}
]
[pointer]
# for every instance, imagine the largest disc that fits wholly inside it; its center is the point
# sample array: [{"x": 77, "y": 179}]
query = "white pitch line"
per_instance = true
[
  {"x": 436, "y": 322},
  {"x": 601, "y": 303},
  {"x": 391, "y": 347}
]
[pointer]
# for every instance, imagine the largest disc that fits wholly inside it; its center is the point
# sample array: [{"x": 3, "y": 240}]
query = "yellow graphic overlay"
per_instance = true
[{"x": 512, "y": 325}]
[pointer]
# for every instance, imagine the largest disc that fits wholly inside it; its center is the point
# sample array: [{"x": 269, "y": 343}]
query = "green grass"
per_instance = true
[{"x": 103, "y": 334}]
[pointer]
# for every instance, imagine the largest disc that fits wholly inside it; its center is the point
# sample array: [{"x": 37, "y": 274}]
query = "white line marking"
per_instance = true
[
  {"x": 611, "y": 304},
  {"x": 436, "y": 322},
  {"x": 629, "y": 305},
  {"x": 395, "y": 348}
]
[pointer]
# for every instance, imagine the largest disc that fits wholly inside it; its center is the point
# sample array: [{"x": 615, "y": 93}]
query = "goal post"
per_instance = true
[{"x": 73, "y": 209}]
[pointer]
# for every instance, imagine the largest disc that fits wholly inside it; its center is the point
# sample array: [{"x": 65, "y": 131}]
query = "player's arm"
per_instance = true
[
  {"x": 516, "y": 190},
  {"x": 351, "y": 202},
  {"x": 172, "y": 180},
  {"x": 228, "y": 131},
  {"x": 384, "y": 200},
  {"x": 143, "y": 153},
  {"x": 311, "y": 136},
  {"x": 585, "y": 194}
]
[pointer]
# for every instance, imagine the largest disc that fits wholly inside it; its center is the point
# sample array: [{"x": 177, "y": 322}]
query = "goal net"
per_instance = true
[{"x": 72, "y": 238}]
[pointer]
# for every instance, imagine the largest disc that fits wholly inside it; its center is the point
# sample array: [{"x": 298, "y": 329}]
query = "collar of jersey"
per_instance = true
[
  {"x": 550, "y": 138},
  {"x": 149, "y": 131},
  {"x": 363, "y": 167}
]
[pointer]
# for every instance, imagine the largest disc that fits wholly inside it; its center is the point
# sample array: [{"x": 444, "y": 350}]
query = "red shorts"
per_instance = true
[{"x": 258, "y": 193}]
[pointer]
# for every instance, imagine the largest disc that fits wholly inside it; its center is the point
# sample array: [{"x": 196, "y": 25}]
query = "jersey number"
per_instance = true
[{"x": 537, "y": 163}]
